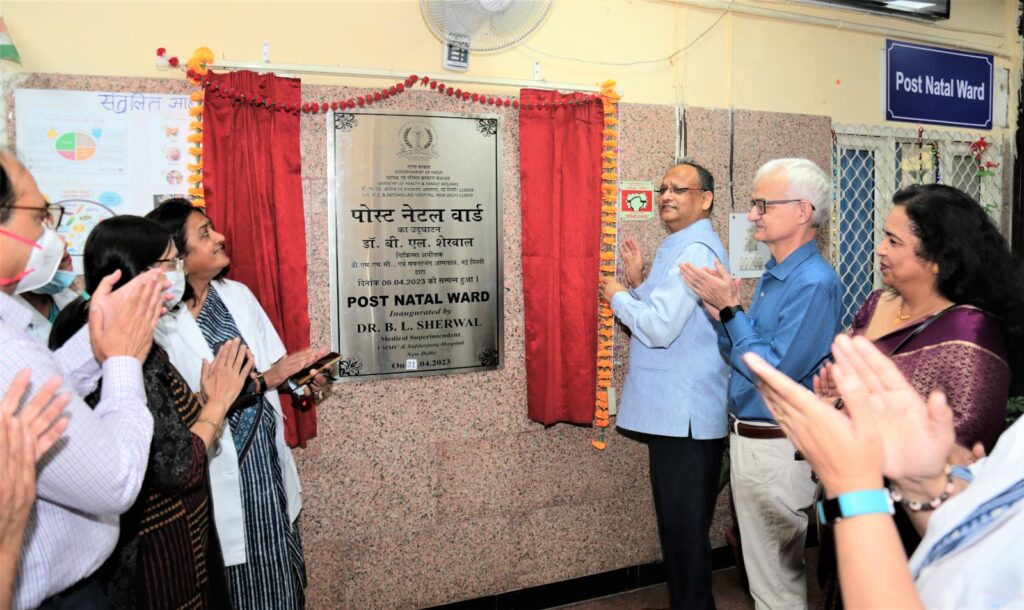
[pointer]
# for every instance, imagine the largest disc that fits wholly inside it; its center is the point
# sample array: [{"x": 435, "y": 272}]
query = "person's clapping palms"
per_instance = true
[
  {"x": 886, "y": 427},
  {"x": 917, "y": 435}
]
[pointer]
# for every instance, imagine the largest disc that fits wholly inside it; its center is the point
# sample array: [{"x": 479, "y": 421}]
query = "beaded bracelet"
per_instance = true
[{"x": 930, "y": 504}]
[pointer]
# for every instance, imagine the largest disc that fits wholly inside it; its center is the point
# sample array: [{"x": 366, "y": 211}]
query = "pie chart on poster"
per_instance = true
[
  {"x": 75, "y": 146},
  {"x": 80, "y": 216}
]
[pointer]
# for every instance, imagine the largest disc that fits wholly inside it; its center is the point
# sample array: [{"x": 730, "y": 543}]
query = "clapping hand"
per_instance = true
[
  {"x": 845, "y": 452},
  {"x": 25, "y": 436},
  {"x": 223, "y": 379},
  {"x": 715, "y": 287},
  {"x": 917, "y": 435},
  {"x": 121, "y": 322},
  {"x": 632, "y": 262},
  {"x": 825, "y": 385}
]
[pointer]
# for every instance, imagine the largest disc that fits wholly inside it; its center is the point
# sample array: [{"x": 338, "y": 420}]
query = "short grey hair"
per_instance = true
[{"x": 805, "y": 180}]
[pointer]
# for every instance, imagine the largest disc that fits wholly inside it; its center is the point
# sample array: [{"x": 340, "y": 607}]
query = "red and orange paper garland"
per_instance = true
[{"x": 609, "y": 198}]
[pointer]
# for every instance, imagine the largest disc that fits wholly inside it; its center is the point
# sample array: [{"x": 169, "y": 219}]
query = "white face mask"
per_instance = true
[
  {"x": 177, "y": 289},
  {"x": 42, "y": 263}
]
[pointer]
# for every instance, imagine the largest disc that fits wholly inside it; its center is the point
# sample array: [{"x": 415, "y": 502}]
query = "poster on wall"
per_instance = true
[
  {"x": 415, "y": 220},
  {"x": 747, "y": 256},
  {"x": 636, "y": 200},
  {"x": 100, "y": 154}
]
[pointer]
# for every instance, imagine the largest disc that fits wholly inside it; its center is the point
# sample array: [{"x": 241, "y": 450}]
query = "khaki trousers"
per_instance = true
[{"x": 771, "y": 489}]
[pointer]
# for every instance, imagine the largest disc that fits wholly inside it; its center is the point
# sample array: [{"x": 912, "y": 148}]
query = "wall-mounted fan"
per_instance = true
[{"x": 481, "y": 26}]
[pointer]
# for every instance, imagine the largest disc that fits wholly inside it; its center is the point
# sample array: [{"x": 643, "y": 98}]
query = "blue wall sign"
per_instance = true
[{"x": 938, "y": 86}]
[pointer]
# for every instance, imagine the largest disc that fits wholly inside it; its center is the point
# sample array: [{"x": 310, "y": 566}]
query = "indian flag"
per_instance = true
[{"x": 7, "y": 50}]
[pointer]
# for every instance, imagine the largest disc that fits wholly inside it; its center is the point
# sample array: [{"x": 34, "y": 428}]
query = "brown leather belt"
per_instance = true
[{"x": 758, "y": 432}]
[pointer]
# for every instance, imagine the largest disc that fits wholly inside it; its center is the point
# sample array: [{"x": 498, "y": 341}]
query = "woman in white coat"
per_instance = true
[{"x": 254, "y": 483}]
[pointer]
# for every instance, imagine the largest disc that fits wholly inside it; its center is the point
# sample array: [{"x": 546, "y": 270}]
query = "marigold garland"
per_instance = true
[
  {"x": 606, "y": 317},
  {"x": 196, "y": 68}
]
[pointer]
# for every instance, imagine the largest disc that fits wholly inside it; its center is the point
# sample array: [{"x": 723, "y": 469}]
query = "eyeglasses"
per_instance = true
[
  {"x": 679, "y": 190},
  {"x": 762, "y": 204},
  {"x": 54, "y": 213},
  {"x": 179, "y": 263}
]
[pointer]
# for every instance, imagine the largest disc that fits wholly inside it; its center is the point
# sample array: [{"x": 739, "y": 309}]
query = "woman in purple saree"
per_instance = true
[{"x": 951, "y": 316}]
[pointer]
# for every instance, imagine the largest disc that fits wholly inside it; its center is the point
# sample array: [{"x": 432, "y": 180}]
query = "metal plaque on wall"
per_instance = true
[{"x": 415, "y": 222}]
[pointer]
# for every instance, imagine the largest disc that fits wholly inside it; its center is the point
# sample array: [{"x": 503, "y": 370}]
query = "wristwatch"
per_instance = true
[
  {"x": 729, "y": 312},
  {"x": 854, "y": 503}
]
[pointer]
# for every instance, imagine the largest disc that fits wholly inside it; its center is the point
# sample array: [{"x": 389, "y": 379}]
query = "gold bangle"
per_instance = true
[{"x": 216, "y": 425}]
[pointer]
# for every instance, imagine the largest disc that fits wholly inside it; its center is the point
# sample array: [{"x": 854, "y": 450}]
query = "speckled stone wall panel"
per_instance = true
[{"x": 435, "y": 489}]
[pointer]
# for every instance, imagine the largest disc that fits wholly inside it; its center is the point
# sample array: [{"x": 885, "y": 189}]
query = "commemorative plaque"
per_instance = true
[{"x": 416, "y": 243}]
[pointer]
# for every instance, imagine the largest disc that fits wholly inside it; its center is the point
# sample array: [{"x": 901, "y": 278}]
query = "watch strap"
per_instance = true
[
  {"x": 729, "y": 312},
  {"x": 853, "y": 504}
]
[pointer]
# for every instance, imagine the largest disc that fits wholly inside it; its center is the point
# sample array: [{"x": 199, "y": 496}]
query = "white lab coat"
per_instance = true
[{"x": 180, "y": 335}]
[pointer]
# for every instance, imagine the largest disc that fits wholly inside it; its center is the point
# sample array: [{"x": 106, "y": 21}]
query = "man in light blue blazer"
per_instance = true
[{"x": 675, "y": 391}]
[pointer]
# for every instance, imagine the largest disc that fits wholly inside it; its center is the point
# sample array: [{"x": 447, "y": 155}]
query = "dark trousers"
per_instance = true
[
  {"x": 86, "y": 595},
  {"x": 684, "y": 478}
]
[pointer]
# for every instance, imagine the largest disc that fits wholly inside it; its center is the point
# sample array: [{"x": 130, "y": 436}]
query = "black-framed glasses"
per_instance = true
[
  {"x": 679, "y": 190},
  {"x": 762, "y": 204},
  {"x": 54, "y": 213}
]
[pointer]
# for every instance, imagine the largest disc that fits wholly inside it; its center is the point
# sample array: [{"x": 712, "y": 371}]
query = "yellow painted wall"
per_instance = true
[{"x": 749, "y": 62}]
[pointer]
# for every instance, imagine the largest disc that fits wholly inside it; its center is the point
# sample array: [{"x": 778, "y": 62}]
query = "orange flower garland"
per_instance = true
[
  {"x": 196, "y": 69},
  {"x": 609, "y": 197}
]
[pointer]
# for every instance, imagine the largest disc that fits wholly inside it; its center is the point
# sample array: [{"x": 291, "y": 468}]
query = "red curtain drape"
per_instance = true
[
  {"x": 252, "y": 176},
  {"x": 560, "y": 177}
]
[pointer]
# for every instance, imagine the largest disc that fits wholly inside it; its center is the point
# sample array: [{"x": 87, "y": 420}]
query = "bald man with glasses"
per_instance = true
[
  {"x": 674, "y": 395},
  {"x": 792, "y": 320}
]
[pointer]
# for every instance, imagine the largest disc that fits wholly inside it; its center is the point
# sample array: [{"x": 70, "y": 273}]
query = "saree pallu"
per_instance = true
[{"x": 963, "y": 353}]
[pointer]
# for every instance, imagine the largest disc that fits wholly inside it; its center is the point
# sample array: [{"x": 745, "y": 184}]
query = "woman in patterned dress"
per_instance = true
[
  {"x": 163, "y": 556},
  {"x": 254, "y": 482}
]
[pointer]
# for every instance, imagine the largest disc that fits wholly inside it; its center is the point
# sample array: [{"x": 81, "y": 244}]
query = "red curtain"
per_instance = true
[
  {"x": 252, "y": 175},
  {"x": 560, "y": 176}
]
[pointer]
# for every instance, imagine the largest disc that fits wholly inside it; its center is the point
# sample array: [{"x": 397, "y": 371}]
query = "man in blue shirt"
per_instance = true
[
  {"x": 792, "y": 321},
  {"x": 674, "y": 394}
]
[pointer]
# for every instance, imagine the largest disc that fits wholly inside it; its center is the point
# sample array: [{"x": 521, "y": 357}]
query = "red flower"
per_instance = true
[
  {"x": 393, "y": 89},
  {"x": 334, "y": 105},
  {"x": 476, "y": 96},
  {"x": 979, "y": 146},
  {"x": 160, "y": 52},
  {"x": 173, "y": 62},
  {"x": 415, "y": 78},
  {"x": 990, "y": 164},
  {"x": 400, "y": 87},
  {"x": 433, "y": 84},
  {"x": 515, "y": 103}
]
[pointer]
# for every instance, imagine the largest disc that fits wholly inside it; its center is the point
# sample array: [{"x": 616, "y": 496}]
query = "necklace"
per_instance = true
[{"x": 899, "y": 315}]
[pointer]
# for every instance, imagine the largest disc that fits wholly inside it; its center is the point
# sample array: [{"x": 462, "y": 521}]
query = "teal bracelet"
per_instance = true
[{"x": 855, "y": 503}]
